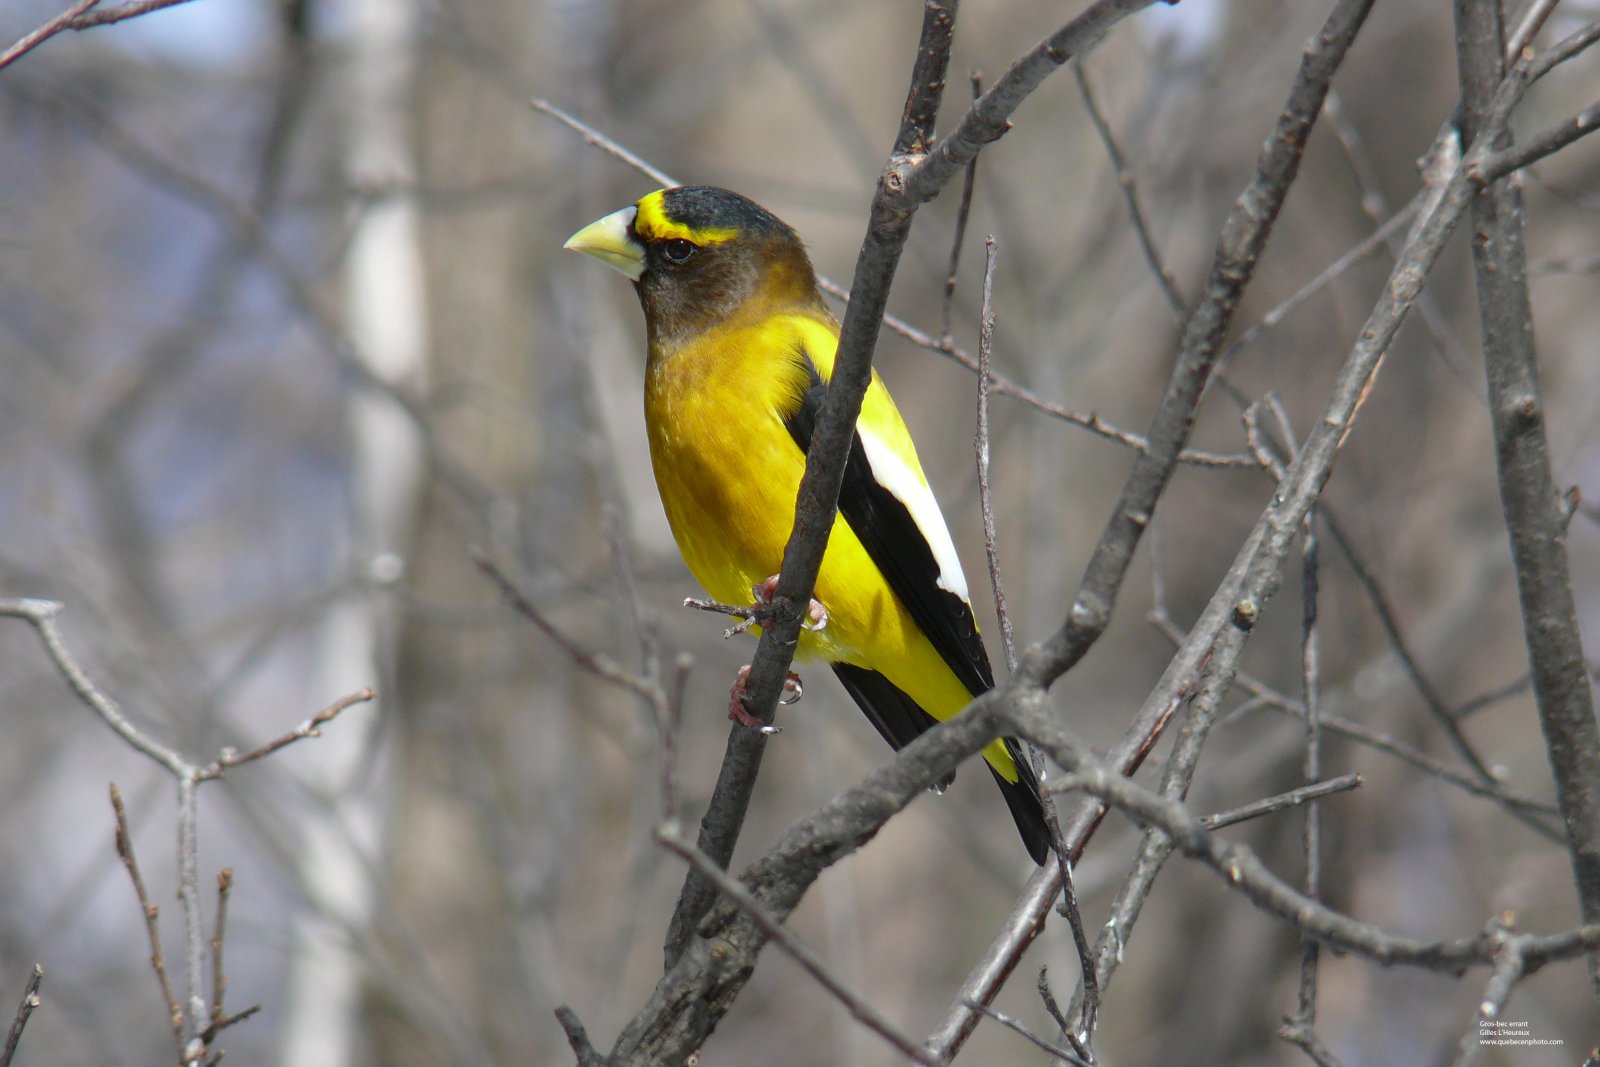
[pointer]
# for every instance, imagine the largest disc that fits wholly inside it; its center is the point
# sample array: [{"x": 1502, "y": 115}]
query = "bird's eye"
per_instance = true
[{"x": 677, "y": 250}]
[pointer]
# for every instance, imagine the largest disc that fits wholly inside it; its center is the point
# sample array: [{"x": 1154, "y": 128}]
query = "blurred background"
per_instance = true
[{"x": 286, "y": 330}]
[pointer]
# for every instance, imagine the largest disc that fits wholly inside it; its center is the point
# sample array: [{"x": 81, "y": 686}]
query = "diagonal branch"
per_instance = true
[{"x": 1244, "y": 235}]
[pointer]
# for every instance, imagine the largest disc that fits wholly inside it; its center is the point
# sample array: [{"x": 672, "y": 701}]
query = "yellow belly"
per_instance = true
[{"x": 728, "y": 472}]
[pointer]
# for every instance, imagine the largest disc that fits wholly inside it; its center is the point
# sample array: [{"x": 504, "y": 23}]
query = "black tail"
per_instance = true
[
  {"x": 901, "y": 720},
  {"x": 1022, "y": 797}
]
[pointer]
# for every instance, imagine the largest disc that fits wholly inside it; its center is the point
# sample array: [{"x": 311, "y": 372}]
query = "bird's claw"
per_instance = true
[
  {"x": 792, "y": 691},
  {"x": 816, "y": 612}
]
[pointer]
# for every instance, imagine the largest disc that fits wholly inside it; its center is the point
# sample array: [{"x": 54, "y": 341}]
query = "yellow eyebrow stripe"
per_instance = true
[{"x": 652, "y": 224}]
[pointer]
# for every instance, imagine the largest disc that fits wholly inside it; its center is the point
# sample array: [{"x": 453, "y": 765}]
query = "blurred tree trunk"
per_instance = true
[
  {"x": 386, "y": 318},
  {"x": 493, "y": 790}
]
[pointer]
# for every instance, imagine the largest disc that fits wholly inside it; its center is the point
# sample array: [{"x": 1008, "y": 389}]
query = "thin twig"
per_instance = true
[
  {"x": 1375, "y": 240},
  {"x": 152, "y": 913},
  {"x": 1292, "y": 799},
  {"x": 1241, "y": 869},
  {"x": 42, "y": 615},
  {"x": 1437, "y": 706},
  {"x": 30, "y": 1001},
  {"x": 133, "y": 9},
  {"x": 963, "y": 212},
  {"x": 1130, "y": 192},
  {"x": 29, "y": 41},
  {"x": 1004, "y": 386},
  {"x": 1047, "y": 997},
  {"x": 1017, "y": 1028},
  {"x": 1080, "y": 1037},
  {"x": 1563, "y": 50},
  {"x": 599, "y": 140},
  {"x": 669, "y": 736},
  {"x": 1494, "y": 696},
  {"x": 1008, "y": 635},
  {"x": 312, "y": 727},
  {"x": 1539, "y": 146},
  {"x": 1533, "y": 20},
  {"x": 1311, "y": 694},
  {"x": 596, "y": 663},
  {"x": 219, "y": 980},
  {"x": 673, "y": 840}
]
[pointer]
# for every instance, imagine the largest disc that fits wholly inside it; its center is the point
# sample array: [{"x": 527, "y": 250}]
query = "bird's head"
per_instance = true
[{"x": 699, "y": 256}]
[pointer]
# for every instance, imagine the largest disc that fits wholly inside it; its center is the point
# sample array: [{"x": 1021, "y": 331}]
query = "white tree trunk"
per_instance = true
[{"x": 344, "y": 838}]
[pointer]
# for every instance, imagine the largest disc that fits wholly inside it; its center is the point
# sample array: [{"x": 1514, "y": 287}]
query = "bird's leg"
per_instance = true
[
  {"x": 741, "y": 715},
  {"x": 816, "y": 614}
]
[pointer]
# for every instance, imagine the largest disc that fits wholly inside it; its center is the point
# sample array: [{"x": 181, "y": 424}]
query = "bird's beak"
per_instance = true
[{"x": 611, "y": 241}]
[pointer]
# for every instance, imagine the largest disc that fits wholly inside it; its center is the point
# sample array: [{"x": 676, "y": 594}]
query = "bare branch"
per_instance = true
[
  {"x": 41, "y": 614},
  {"x": 1539, "y": 146},
  {"x": 1017, "y": 1028},
  {"x": 1008, "y": 637},
  {"x": 1130, "y": 193},
  {"x": 1437, "y": 706},
  {"x": 194, "y": 1026},
  {"x": 1292, "y": 799},
  {"x": 312, "y": 727},
  {"x": 152, "y": 914},
  {"x": 963, "y": 213},
  {"x": 1311, "y": 693},
  {"x": 1564, "y": 50},
  {"x": 1306, "y": 1040},
  {"x": 1263, "y": 695},
  {"x": 1529, "y": 498},
  {"x": 673, "y": 840},
  {"x": 1244, "y": 235},
  {"x": 1239, "y": 867},
  {"x": 219, "y": 979},
  {"x": 133, "y": 9},
  {"x": 578, "y": 1039},
  {"x": 1508, "y": 971},
  {"x": 28, "y": 42},
  {"x": 30, "y": 1001},
  {"x": 596, "y": 663},
  {"x": 689, "y": 999},
  {"x": 594, "y": 137}
]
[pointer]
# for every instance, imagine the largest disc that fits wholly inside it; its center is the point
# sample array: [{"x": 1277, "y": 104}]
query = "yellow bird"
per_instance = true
[{"x": 741, "y": 347}]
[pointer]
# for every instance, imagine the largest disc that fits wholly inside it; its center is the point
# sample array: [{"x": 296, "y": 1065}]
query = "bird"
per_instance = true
[{"x": 740, "y": 350}]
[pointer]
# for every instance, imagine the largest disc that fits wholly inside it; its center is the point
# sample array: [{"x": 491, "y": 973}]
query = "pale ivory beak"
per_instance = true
[{"x": 611, "y": 241}]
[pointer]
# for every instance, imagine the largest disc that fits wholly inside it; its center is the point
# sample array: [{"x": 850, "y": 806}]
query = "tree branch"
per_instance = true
[
  {"x": 1244, "y": 235},
  {"x": 1528, "y": 495},
  {"x": 25, "y": 1009}
]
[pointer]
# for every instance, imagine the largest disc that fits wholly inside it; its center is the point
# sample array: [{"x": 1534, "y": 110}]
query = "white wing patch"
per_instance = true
[{"x": 908, "y": 487}]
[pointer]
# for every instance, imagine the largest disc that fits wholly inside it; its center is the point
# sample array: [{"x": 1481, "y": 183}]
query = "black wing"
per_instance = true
[
  {"x": 896, "y": 544},
  {"x": 900, "y": 720},
  {"x": 892, "y": 538}
]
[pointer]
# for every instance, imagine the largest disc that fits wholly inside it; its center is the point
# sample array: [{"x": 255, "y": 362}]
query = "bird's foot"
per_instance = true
[
  {"x": 792, "y": 691},
  {"x": 763, "y": 592}
]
